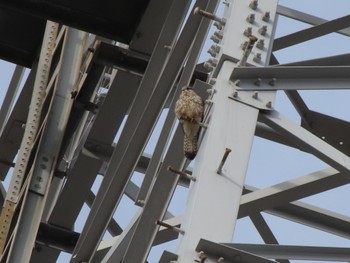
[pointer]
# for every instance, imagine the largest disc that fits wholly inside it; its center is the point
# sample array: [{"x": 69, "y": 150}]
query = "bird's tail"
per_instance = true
[{"x": 190, "y": 147}]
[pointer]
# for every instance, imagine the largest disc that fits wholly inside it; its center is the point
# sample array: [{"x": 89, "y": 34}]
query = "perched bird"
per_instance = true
[{"x": 189, "y": 110}]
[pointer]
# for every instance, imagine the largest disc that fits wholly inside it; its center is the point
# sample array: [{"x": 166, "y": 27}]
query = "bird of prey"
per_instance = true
[{"x": 189, "y": 110}]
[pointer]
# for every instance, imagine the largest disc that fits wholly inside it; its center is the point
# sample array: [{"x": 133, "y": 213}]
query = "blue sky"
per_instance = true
[{"x": 271, "y": 163}]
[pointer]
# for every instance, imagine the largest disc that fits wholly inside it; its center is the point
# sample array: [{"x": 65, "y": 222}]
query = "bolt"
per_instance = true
[
  {"x": 269, "y": 104},
  {"x": 238, "y": 83},
  {"x": 183, "y": 174},
  {"x": 248, "y": 31},
  {"x": 214, "y": 50},
  {"x": 253, "y": 4},
  {"x": 168, "y": 47},
  {"x": 251, "y": 18},
  {"x": 208, "y": 66},
  {"x": 223, "y": 160},
  {"x": 211, "y": 16},
  {"x": 248, "y": 49},
  {"x": 235, "y": 94},
  {"x": 257, "y": 82},
  {"x": 211, "y": 91},
  {"x": 212, "y": 81},
  {"x": 218, "y": 25},
  {"x": 202, "y": 257},
  {"x": 260, "y": 44},
  {"x": 140, "y": 203},
  {"x": 266, "y": 17},
  {"x": 213, "y": 62},
  {"x": 204, "y": 126},
  {"x": 219, "y": 34},
  {"x": 255, "y": 95},
  {"x": 215, "y": 39},
  {"x": 174, "y": 228},
  {"x": 257, "y": 58},
  {"x": 244, "y": 45},
  {"x": 211, "y": 52},
  {"x": 209, "y": 102},
  {"x": 262, "y": 30},
  {"x": 272, "y": 82},
  {"x": 225, "y": 2}
]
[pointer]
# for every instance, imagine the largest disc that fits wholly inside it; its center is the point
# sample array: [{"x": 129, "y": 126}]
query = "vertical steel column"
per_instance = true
[
  {"x": 48, "y": 149},
  {"x": 222, "y": 161},
  {"x": 30, "y": 133}
]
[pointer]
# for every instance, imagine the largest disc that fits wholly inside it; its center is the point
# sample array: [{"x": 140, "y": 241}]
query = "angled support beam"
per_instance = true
[
  {"x": 296, "y": 252},
  {"x": 155, "y": 206},
  {"x": 312, "y": 216},
  {"x": 265, "y": 232},
  {"x": 311, "y": 33},
  {"x": 307, "y": 141},
  {"x": 306, "y": 18},
  {"x": 169, "y": 122},
  {"x": 150, "y": 99},
  {"x": 286, "y": 192}
]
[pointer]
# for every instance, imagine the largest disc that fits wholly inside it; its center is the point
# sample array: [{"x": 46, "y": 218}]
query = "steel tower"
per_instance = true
[{"x": 103, "y": 81}]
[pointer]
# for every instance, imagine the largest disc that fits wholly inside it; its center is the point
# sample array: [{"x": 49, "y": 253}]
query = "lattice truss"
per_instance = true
[{"x": 92, "y": 154}]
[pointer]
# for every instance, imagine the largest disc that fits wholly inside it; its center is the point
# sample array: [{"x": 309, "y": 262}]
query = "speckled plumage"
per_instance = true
[{"x": 189, "y": 110}]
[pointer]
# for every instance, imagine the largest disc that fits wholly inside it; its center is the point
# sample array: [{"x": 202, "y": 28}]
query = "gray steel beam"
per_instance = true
[
  {"x": 153, "y": 92},
  {"x": 169, "y": 122},
  {"x": 265, "y": 232},
  {"x": 311, "y": 33},
  {"x": 319, "y": 124},
  {"x": 296, "y": 252},
  {"x": 113, "y": 228},
  {"x": 87, "y": 166},
  {"x": 75, "y": 190},
  {"x": 286, "y": 192},
  {"x": 292, "y": 78},
  {"x": 215, "y": 251},
  {"x": 155, "y": 206},
  {"x": 168, "y": 257},
  {"x": 338, "y": 60},
  {"x": 312, "y": 216},
  {"x": 306, "y": 18},
  {"x": 264, "y": 131},
  {"x": 307, "y": 141},
  {"x": 117, "y": 251},
  {"x": 297, "y": 102}
]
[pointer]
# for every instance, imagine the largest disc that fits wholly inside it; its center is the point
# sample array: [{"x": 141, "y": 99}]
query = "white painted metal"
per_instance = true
[
  {"x": 234, "y": 123},
  {"x": 211, "y": 214}
]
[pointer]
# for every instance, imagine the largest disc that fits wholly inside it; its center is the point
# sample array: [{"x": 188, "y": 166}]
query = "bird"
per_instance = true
[{"x": 189, "y": 109}]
